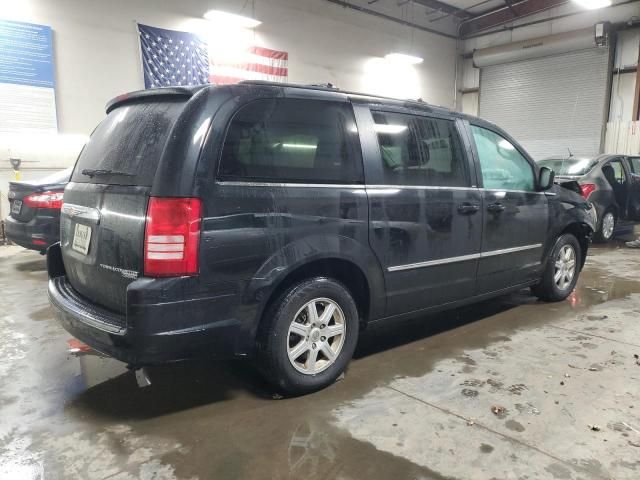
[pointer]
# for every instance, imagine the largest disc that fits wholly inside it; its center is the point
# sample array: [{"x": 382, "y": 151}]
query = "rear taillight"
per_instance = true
[
  {"x": 587, "y": 189},
  {"x": 48, "y": 199},
  {"x": 172, "y": 237}
]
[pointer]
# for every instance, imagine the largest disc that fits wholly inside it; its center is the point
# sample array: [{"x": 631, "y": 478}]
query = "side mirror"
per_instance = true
[{"x": 546, "y": 178}]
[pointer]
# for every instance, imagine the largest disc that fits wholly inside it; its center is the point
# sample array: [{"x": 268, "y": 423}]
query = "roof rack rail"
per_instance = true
[
  {"x": 317, "y": 86},
  {"x": 333, "y": 88},
  {"x": 324, "y": 85}
]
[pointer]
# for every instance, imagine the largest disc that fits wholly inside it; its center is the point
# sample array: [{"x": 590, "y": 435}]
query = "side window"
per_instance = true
[
  {"x": 293, "y": 140},
  {"x": 502, "y": 166},
  {"x": 418, "y": 150},
  {"x": 635, "y": 165}
]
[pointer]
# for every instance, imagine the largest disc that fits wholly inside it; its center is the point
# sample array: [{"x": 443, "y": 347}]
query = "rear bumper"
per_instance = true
[
  {"x": 37, "y": 234},
  {"x": 149, "y": 332}
]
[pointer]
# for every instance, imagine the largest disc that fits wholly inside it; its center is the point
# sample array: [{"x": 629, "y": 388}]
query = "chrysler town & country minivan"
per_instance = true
[{"x": 276, "y": 221}]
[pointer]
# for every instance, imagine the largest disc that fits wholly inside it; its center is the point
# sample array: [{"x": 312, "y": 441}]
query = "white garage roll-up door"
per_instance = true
[{"x": 550, "y": 104}]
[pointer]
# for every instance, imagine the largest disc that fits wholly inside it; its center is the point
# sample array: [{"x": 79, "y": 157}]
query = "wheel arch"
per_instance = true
[
  {"x": 344, "y": 271},
  {"x": 612, "y": 207},
  {"x": 341, "y": 258},
  {"x": 582, "y": 232}
]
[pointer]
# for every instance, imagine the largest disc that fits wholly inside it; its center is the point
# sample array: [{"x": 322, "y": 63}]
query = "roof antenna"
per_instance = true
[{"x": 573, "y": 116}]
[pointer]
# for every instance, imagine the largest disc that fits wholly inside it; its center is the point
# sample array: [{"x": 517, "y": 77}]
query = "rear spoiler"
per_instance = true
[{"x": 156, "y": 93}]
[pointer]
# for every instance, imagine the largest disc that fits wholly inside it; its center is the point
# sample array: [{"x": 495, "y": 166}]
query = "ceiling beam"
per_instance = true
[
  {"x": 445, "y": 15},
  {"x": 506, "y": 14},
  {"x": 512, "y": 8},
  {"x": 444, "y": 8},
  {"x": 375, "y": 13}
]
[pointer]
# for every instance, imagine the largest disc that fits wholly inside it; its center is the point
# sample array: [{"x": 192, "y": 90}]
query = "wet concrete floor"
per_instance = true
[{"x": 416, "y": 402}]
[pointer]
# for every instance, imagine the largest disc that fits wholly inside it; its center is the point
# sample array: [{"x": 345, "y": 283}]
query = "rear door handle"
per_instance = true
[
  {"x": 496, "y": 207},
  {"x": 468, "y": 208}
]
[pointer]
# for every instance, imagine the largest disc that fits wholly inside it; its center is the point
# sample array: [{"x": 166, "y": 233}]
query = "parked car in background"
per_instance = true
[
  {"x": 610, "y": 182},
  {"x": 276, "y": 221},
  {"x": 34, "y": 211}
]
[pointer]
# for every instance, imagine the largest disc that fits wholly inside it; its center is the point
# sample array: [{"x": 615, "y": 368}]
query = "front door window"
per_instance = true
[{"x": 503, "y": 167}]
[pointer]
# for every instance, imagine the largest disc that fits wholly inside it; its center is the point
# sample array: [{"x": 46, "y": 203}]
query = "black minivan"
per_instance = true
[{"x": 276, "y": 221}]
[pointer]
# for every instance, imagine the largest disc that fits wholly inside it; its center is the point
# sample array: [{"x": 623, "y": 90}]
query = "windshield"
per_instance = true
[
  {"x": 569, "y": 166},
  {"x": 129, "y": 143}
]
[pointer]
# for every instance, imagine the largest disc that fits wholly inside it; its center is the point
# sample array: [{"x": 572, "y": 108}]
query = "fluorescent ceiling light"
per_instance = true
[
  {"x": 593, "y": 4},
  {"x": 301, "y": 146},
  {"x": 384, "y": 128},
  {"x": 231, "y": 19},
  {"x": 413, "y": 60}
]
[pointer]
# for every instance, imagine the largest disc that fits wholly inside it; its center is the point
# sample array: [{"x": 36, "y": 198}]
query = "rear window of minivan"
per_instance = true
[{"x": 128, "y": 142}]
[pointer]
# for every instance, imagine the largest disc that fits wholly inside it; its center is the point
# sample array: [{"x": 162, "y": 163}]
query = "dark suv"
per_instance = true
[{"x": 276, "y": 221}]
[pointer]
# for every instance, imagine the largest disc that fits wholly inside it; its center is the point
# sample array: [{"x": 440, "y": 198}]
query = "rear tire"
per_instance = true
[
  {"x": 301, "y": 352},
  {"x": 607, "y": 227},
  {"x": 561, "y": 270}
]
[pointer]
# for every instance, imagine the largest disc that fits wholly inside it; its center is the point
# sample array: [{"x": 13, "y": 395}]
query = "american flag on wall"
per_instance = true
[
  {"x": 173, "y": 58},
  {"x": 256, "y": 63}
]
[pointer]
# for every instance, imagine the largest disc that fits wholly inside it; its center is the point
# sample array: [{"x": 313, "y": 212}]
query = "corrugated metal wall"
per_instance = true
[
  {"x": 622, "y": 137},
  {"x": 552, "y": 103}
]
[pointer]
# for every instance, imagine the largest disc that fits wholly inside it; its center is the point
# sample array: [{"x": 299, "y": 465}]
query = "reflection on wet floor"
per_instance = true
[{"x": 415, "y": 403}]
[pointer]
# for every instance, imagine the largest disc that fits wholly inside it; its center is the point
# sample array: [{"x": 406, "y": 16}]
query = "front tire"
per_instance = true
[
  {"x": 607, "y": 227},
  {"x": 309, "y": 336},
  {"x": 561, "y": 271}
]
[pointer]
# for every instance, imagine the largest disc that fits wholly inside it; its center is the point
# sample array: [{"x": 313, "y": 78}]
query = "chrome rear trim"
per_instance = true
[{"x": 80, "y": 211}]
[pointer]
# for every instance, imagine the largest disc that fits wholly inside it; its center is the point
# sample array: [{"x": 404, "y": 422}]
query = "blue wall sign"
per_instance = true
[{"x": 26, "y": 54}]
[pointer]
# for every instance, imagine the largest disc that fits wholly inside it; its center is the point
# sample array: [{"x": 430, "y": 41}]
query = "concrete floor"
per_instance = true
[{"x": 416, "y": 402}]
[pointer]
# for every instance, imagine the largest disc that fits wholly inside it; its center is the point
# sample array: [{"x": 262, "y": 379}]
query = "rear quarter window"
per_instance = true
[
  {"x": 130, "y": 140},
  {"x": 292, "y": 140}
]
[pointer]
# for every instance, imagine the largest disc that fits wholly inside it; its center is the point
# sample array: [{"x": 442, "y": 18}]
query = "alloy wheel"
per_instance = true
[
  {"x": 316, "y": 336},
  {"x": 565, "y": 267},
  {"x": 608, "y": 224}
]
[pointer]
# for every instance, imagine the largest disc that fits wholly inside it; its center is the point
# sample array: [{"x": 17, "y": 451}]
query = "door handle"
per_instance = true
[
  {"x": 468, "y": 208},
  {"x": 496, "y": 207}
]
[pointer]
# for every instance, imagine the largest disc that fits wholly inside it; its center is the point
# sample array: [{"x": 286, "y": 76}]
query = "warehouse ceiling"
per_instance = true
[{"x": 456, "y": 18}]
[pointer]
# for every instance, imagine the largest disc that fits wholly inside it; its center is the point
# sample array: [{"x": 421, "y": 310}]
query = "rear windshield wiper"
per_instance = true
[{"x": 90, "y": 172}]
